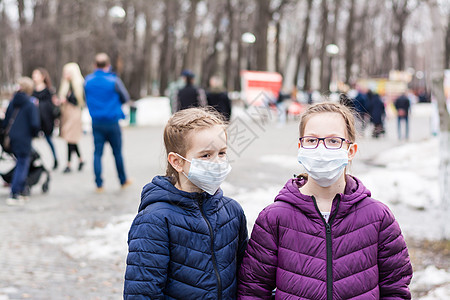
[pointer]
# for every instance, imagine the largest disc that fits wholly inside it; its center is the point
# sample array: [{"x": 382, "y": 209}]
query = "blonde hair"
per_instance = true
[
  {"x": 179, "y": 128},
  {"x": 76, "y": 82},
  {"x": 326, "y": 107},
  {"x": 26, "y": 85}
]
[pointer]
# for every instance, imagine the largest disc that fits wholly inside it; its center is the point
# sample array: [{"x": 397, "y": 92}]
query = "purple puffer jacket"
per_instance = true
[{"x": 359, "y": 254}]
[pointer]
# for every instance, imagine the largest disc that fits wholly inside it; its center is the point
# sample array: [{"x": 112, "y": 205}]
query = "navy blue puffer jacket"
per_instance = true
[{"x": 184, "y": 245}]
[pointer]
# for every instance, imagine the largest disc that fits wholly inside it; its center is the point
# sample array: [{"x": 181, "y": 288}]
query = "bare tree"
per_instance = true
[
  {"x": 401, "y": 10},
  {"x": 324, "y": 41},
  {"x": 438, "y": 52},
  {"x": 302, "y": 54},
  {"x": 191, "y": 23},
  {"x": 349, "y": 42},
  {"x": 261, "y": 27},
  {"x": 447, "y": 43},
  {"x": 168, "y": 45}
]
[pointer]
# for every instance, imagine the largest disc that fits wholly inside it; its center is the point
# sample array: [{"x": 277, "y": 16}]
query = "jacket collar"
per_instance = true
[
  {"x": 354, "y": 192},
  {"x": 162, "y": 190}
]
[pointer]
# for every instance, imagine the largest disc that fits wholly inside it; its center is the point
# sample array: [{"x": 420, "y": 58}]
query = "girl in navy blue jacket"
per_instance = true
[{"x": 188, "y": 239}]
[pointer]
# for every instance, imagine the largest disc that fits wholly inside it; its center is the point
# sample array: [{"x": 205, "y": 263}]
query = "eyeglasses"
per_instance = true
[{"x": 332, "y": 142}]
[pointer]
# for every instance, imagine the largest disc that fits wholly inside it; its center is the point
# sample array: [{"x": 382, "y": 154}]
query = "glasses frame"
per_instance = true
[{"x": 300, "y": 143}]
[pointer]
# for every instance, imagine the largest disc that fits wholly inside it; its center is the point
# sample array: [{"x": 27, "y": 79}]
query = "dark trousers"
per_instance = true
[
  {"x": 20, "y": 174},
  {"x": 111, "y": 133},
  {"x": 72, "y": 148}
]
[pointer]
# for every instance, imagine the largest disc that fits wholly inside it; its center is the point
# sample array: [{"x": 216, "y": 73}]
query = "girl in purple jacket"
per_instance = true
[{"x": 324, "y": 237}]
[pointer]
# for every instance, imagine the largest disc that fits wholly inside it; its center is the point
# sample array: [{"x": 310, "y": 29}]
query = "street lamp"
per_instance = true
[
  {"x": 117, "y": 16},
  {"x": 248, "y": 38},
  {"x": 332, "y": 50}
]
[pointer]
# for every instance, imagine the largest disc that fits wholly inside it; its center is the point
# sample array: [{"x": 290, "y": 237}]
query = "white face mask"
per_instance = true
[
  {"x": 325, "y": 166},
  {"x": 207, "y": 175}
]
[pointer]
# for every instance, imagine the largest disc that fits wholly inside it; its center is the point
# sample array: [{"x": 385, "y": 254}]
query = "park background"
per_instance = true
[{"x": 71, "y": 243}]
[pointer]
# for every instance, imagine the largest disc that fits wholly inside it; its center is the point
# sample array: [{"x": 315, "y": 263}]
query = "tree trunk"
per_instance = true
[
  {"x": 401, "y": 46},
  {"x": 22, "y": 35},
  {"x": 437, "y": 60},
  {"x": 447, "y": 44},
  {"x": 148, "y": 50},
  {"x": 349, "y": 43},
  {"x": 261, "y": 26},
  {"x": 302, "y": 55},
  {"x": 210, "y": 63},
  {"x": 228, "y": 77},
  {"x": 306, "y": 77},
  {"x": 166, "y": 49},
  {"x": 334, "y": 34},
  {"x": 191, "y": 22},
  {"x": 324, "y": 36},
  {"x": 278, "y": 45}
]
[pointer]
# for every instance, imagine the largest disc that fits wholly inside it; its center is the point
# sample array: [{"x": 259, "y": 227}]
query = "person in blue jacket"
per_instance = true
[
  {"x": 105, "y": 94},
  {"x": 187, "y": 240},
  {"x": 22, "y": 118}
]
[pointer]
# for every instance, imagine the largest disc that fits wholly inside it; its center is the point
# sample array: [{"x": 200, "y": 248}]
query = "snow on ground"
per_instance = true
[
  {"x": 432, "y": 279},
  {"x": 101, "y": 243}
]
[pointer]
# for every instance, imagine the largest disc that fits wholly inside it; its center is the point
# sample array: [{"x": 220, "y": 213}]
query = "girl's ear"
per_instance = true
[
  {"x": 175, "y": 161},
  {"x": 352, "y": 151}
]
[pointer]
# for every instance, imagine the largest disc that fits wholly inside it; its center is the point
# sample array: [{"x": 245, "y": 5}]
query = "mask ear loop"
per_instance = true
[
  {"x": 187, "y": 161},
  {"x": 183, "y": 157}
]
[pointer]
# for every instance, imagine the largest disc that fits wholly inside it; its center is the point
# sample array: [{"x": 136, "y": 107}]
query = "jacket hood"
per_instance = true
[
  {"x": 162, "y": 190},
  {"x": 20, "y": 99},
  {"x": 354, "y": 192}
]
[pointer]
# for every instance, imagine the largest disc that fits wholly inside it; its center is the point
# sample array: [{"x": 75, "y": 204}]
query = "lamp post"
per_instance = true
[
  {"x": 332, "y": 50},
  {"x": 117, "y": 16},
  {"x": 248, "y": 38}
]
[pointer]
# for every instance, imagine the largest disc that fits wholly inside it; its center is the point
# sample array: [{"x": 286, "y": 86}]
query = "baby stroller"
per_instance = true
[{"x": 34, "y": 174}]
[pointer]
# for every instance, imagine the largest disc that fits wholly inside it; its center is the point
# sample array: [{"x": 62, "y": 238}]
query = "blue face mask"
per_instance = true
[{"x": 207, "y": 175}]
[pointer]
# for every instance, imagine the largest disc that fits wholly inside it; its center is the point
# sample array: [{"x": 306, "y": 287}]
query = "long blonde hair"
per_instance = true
[
  {"x": 177, "y": 133},
  {"x": 76, "y": 82}
]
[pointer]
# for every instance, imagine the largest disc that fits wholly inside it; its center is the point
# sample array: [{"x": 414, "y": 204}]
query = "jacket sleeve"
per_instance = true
[
  {"x": 395, "y": 270},
  {"x": 148, "y": 258},
  {"x": 258, "y": 269},
  {"x": 121, "y": 89},
  {"x": 243, "y": 240}
]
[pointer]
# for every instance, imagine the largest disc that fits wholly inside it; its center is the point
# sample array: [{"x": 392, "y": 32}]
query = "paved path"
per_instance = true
[{"x": 32, "y": 267}]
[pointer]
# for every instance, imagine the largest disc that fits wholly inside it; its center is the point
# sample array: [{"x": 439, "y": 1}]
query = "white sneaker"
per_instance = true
[{"x": 15, "y": 202}]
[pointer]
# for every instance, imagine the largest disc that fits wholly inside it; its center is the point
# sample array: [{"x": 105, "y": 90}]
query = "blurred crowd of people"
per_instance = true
[{"x": 36, "y": 108}]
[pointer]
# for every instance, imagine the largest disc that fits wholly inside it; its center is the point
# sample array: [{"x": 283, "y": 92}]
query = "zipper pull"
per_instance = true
[{"x": 328, "y": 226}]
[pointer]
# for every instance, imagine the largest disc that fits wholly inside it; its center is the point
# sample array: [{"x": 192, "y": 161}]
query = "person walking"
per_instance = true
[
  {"x": 43, "y": 91},
  {"x": 218, "y": 98},
  {"x": 105, "y": 94},
  {"x": 190, "y": 95},
  {"x": 377, "y": 113},
  {"x": 187, "y": 240},
  {"x": 71, "y": 95},
  {"x": 22, "y": 124},
  {"x": 403, "y": 106},
  {"x": 325, "y": 237}
]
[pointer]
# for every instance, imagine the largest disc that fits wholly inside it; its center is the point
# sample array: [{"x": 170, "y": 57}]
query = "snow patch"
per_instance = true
[
  {"x": 105, "y": 243},
  {"x": 432, "y": 278}
]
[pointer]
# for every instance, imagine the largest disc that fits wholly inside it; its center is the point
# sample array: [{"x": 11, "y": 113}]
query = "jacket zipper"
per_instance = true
[
  {"x": 213, "y": 256},
  {"x": 329, "y": 246}
]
